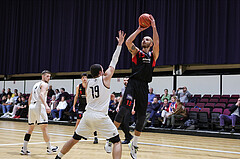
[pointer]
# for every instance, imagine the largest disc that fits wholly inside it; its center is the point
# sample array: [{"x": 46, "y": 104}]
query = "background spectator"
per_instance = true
[
  {"x": 170, "y": 110},
  {"x": 22, "y": 111},
  {"x": 64, "y": 94},
  {"x": 233, "y": 118},
  {"x": 4, "y": 99},
  {"x": 165, "y": 95},
  {"x": 50, "y": 91},
  {"x": 9, "y": 91},
  {"x": 151, "y": 95},
  {"x": 53, "y": 102},
  {"x": 59, "y": 109},
  {"x": 154, "y": 108},
  {"x": 7, "y": 106},
  {"x": 174, "y": 93},
  {"x": 183, "y": 94},
  {"x": 178, "y": 113},
  {"x": 3, "y": 93},
  {"x": 112, "y": 107},
  {"x": 16, "y": 106},
  {"x": 57, "y": 93}
]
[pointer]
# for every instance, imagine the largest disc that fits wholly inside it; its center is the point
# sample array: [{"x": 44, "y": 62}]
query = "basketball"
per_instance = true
[{"x": 144, "y": 20}]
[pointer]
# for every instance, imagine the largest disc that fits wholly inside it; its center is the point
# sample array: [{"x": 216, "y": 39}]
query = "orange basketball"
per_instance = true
[{"x": 144, "y": 20}]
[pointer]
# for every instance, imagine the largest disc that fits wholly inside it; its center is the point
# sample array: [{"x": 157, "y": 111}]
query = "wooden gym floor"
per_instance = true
[{"x": 151, "y": 146}]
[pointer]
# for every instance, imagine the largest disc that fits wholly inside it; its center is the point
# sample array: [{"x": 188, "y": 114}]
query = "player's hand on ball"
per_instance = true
[
  {"x": 121, "y": 36},
  {"x": 152, "y": 21}
]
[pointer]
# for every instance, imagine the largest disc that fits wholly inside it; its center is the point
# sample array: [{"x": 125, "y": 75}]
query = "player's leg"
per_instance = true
[
  {"x": 117, "y": 147},
  {"x": 127, "y": 102},
  {"x": 27, "y": 137},
  {"x": 77, "y": 123}
]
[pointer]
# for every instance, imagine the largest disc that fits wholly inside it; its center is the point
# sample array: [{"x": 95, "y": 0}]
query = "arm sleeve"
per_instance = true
[{"x": 115, "y": 57}]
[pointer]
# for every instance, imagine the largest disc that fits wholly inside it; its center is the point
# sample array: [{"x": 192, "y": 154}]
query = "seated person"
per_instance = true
[
  {"x": 62, "y": 105},
  {"x": 165, "y": 95},
  {"x": 4, "y": 99},
  {"x": 178, "y": 113},
  {"x": 163, "y": 106},
  {"x": 154, "y": 108},
  {"x": 151, "y": 95},
  {"x": 170, "y": 110},
  {"x": 16, "y": 106},
  {"x": 53, "y": 102},
  {"x": 22, "y": 111},
  {"x": 234, "y": 117},
  {"x": 6, "y": 107}
]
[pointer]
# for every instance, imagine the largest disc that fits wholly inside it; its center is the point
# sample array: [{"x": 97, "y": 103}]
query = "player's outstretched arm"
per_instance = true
[
  {"x": 129, "y": 42},
  {"x": 110, "y": 71},
  {"x": 155, "y": 39}
]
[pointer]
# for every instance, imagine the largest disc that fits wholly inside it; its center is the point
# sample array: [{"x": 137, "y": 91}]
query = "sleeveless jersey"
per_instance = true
[
  {"x": 36, "y": 93},
  {"x": 142, "y": 66},
  {"x": 82, "y": 98},
  {"x": 98, "y": 95}
]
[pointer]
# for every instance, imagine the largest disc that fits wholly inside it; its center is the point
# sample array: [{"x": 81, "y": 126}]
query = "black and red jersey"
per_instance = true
[
  {"x": 82, "y": 97},
  {"x": 143, "y": 65}
]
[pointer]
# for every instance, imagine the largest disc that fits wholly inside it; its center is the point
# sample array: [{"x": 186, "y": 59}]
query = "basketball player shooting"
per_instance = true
[
  {"x": 143, "y": 63},
  {"x": 37, "y": 114},
  {"x": 98, "y": 98}
]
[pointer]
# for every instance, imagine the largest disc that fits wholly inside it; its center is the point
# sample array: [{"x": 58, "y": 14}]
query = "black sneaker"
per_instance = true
[
  {"x": 126, "y": 142},
  {"x": 95, "y": 140},
  {"x": 52, "y": 150},
  {"x": 57, "y": 157},
  {"x": 233, "y": 131},
  {"x": 222, "y": 130},
  {"x": 24, "y": 152}
]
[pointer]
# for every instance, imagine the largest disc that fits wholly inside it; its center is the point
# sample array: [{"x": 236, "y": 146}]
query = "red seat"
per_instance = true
[
  {"x": 197, "y": 95},
  {"x": 216, "y": 96},
  {"x": 207, "y": 96},
  {"x": 229, "y": 105},
  {"x": 214, "y": 100},
  {"x": 233, "y": 101},
  {"x": 190, "y": 105},
  {"x": 219, "y": 110},
  {"x": 158, "y": 96},
  {"x": 225, "y": 96},
  {"x": 200, "y": 105},
  {"x": 206, "y": 110},
  {"x": 194, "y": 110},
  {"x": 210, "y": 105},
  {"x": 223, "y": 101},
  {"x": 220, "y": 105},
  {"x": 235, "y": 96},
  {"x": 204, "y": 100},
  {"x": 226, "y": 112}
]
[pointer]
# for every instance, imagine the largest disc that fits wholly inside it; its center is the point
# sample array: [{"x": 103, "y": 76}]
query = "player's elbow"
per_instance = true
[{"x": 128, "y": 43}]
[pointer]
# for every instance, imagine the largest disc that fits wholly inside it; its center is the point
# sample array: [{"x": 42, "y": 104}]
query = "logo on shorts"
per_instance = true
[{"x": 129, "y": 97}]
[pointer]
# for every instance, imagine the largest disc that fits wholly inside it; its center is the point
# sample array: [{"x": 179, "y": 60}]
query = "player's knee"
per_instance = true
[
  {"x": 115, "y": 139},
  {"x": 27, "y": 137},
  {"x": 140, "y": 122},
  {"x": 78, "y": 137},
  {"x": 119, "y": 117}
]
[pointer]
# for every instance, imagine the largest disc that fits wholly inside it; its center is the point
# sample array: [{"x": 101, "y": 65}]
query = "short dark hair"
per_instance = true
[
  {"x": 63, "y": 89},
  {"x": 45, "y": 71},
  {"x": 83, "y": 74},
  {"x": 165, "y": 98},
  {"x": 94, "y": 69}
]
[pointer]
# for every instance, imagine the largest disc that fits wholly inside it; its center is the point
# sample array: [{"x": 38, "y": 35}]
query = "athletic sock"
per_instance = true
[
  {"x": 60, "y": 155},
  {"x": 25, "y": 143},
  {"x": 49, "y": 145},
  {"x": 26, "y": 140},
  {"x": 135, "y": 140}
]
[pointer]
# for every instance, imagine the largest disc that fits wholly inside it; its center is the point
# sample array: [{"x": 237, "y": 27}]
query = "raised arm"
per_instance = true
[
  {"x": 155, "y": 38},
  {"x": 129, "y": 42},
  {"x": 110, "y": 71}
]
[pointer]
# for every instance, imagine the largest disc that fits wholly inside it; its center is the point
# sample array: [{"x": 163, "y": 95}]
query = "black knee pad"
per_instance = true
[
  {"x": 119, "y": 117},
  {"x": 95, "y": 133},
  {"x": 27, "y": 137},
  {"x": 115, "y": 139},
  {"x": 140, "y": 122},
  {"x": 78, "y": 137}
]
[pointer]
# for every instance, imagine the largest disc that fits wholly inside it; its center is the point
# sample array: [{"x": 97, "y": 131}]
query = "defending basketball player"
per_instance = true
[
  {"x": 143, "y": 63},
  {"x": 81, "y": 97},
  {"x": 98, "y": 98},
  {"x": 37, "y": 114}
]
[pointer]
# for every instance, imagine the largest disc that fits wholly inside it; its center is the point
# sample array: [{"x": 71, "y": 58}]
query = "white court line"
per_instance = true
[{"x": 143, "y": 143}]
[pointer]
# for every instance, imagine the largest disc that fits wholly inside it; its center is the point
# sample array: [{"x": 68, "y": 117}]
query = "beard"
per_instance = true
[{"x": 145, "y": 45}]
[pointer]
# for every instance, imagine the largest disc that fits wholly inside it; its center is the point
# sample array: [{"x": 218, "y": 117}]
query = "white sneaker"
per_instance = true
[
  {"x": 52, "y": 150},
  {"x": 24, "y": 152},
  {"x": 108, "y": 147},
  {"x": 55, "y": 119},
  {"x": 58, "y": 119},
  {"x": 133, "y": 150}
]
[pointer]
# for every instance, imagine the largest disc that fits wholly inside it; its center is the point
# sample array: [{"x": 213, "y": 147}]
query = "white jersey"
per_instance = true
[
  {"x": 98, "y": 95},
  {"x": 36, "y": 92}
]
